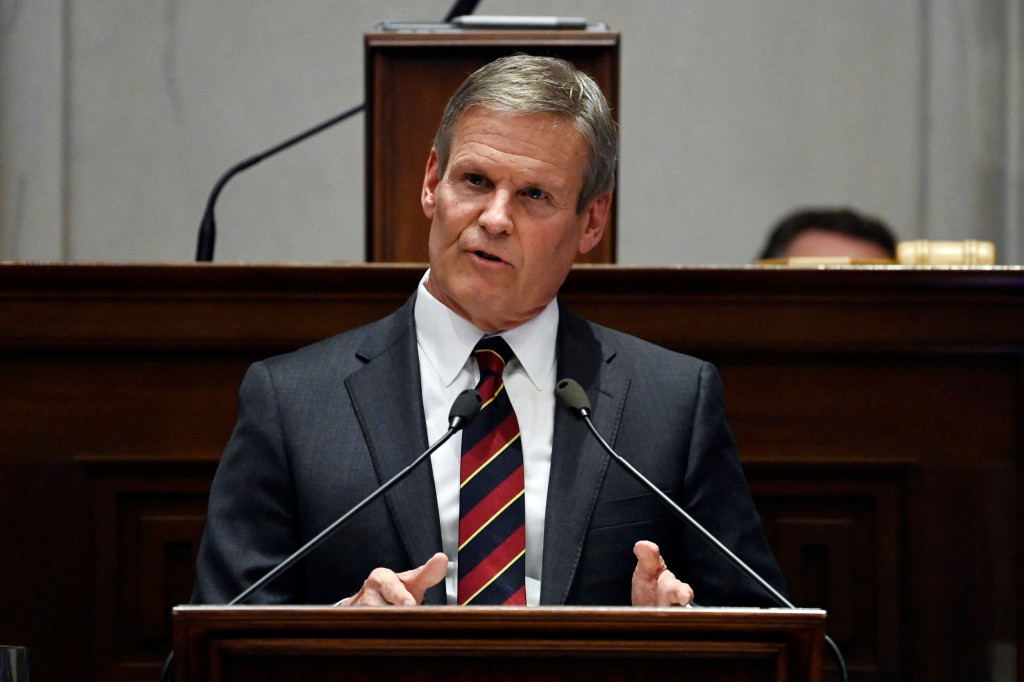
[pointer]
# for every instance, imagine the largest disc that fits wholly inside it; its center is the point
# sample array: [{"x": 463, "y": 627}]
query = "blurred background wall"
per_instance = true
[{"x": 117, "y": 116}]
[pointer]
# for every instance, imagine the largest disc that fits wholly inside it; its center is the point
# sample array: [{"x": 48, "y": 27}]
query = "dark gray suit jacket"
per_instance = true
[{"x": 321, "y": 428}]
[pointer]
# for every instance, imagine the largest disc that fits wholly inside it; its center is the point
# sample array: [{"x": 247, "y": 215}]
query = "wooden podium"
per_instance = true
[
  {"x": 878, "y": 412},
  {"x": 281, "y": 644},
  {"x": 409, "y": 77}
]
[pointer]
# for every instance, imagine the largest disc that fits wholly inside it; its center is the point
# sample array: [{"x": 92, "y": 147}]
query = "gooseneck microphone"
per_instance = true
[
  {"x": 208, "y": 225},
  {"x": 464, "y": 409},
  {"x": 575, "y": 398}
]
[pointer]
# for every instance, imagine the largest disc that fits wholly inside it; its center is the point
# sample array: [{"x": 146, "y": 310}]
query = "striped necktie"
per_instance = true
[{"x": 492, "y": 526}]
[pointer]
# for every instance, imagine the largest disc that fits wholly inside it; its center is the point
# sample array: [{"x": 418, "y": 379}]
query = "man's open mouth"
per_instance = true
[{"x": 488, "y": 256}]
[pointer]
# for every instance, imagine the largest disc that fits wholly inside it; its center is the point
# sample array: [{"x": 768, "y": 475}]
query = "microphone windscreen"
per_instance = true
[
  {"x": 573, "y": 395},
  {"x": 465, "y": 408}
]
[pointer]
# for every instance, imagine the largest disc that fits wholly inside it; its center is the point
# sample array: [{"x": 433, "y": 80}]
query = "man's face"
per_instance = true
[{"x": 504, "y": 228}]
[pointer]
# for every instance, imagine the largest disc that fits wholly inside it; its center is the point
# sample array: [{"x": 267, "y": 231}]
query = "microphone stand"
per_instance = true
[
  {"x": 575, "y": 398},
  {"x": 467, "y": 404},
  {"x": 208, "y": 227},
  {"x": 461, "y": 8},
  {"x": 464, "y": 409}
]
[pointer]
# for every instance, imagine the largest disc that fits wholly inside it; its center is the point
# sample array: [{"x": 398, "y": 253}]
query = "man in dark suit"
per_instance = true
[{"x": 518, "y": 183}]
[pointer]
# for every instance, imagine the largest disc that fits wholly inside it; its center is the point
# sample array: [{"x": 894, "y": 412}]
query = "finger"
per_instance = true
[
  {"x": 368, "y": 595},
  {"x": 381, "y": 588},
  {"x": 648, "y": 559},
  {"x": 393, "y": 591},
  {"x": 672, "y": 591},
  {"x": 419, "y": 580}
]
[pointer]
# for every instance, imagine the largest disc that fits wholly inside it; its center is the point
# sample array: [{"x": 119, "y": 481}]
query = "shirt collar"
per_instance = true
[{"x": 447, "y": 340}]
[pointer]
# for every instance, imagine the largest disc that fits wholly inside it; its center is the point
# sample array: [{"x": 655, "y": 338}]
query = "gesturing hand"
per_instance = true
[
  {"x": 385, "y": 587},
  {"x": 653, "y": 583}
]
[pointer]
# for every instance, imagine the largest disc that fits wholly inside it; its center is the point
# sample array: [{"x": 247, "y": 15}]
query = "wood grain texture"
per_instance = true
[
  {"x": 877, "y": 411},
  {"x": 409, "y": 79}
]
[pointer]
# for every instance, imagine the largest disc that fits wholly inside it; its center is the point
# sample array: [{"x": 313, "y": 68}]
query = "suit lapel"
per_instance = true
[
  {"x": 387, "y": 401},
  {"x": 578, "y": 462}
]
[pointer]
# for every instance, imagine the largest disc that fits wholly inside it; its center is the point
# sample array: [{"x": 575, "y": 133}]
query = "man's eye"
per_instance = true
[
  {"x": 534, "y": 193},
  {"x": 474, "y": 179}
]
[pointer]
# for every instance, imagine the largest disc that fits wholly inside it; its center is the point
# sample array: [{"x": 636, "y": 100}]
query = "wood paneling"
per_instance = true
[
  {"x": 878, "y": 413},
  {"x": 147, "y": 519},
  {"x": 409, "y": 78},
  {"x": 500, "y": 644},
  {"x": 839, "y": 532}
]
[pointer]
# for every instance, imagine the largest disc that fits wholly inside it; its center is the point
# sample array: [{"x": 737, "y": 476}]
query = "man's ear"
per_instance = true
[
  {"x": 595, "y": 217},
  {"x": 431, "y": 178}
]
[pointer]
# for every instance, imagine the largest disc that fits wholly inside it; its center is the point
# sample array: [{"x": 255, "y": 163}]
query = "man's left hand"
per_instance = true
[{"x": 653, "y": 583}]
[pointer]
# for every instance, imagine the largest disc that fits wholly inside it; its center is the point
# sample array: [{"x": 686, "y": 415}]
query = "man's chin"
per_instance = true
[{"x": 488, "y": 319}]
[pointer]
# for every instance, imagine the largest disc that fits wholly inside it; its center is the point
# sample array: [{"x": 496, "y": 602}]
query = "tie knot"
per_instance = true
[{"x": 492, "y": 354}]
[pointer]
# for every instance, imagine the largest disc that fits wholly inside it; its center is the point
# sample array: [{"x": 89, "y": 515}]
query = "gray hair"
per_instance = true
[{"x": 524, "y": 84}]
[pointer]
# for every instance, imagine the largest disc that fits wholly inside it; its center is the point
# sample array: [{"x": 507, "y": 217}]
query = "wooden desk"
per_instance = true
[
  {"x": 878, "y": 413},
  {"x": 498, "y": 644}
]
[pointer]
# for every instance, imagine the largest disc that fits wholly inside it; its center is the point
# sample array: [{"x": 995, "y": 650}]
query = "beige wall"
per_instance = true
[{"x": 117, "y": 116}]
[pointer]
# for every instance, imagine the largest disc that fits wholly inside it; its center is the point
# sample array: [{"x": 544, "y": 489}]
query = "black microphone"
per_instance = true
[
  {"x": 208, "y": 226},
  {"x": 575, "y": 398},
  {"x": 464, "y": 409}
]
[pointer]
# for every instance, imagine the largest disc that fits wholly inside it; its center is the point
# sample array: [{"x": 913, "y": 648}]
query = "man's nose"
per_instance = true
[{"x": 497, "y": 217}]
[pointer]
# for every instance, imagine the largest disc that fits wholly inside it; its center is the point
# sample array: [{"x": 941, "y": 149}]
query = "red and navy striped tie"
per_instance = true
[{"x": 492, "y": 525}]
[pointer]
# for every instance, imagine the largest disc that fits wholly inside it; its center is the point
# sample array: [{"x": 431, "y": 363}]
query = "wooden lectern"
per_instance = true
[
  {"x": 281, "y": 644},
  {"x": 409, "y": 77},
  {"x": 878, "y": 412}
]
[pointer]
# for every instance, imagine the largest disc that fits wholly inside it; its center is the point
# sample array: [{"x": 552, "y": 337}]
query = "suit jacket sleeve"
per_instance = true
[
  {"x": 250, "y": 523},
  {"x": 717, "y": 495},
  {"x": 664, "y": 413},
  {"x": 318, "y": 430},
  {"x": 673, "y": 431}
]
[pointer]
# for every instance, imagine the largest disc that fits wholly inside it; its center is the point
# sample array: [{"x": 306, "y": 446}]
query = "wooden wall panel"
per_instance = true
[
  {"x": 147, "y": 518},
  {"x": 409, "y": 78},
  {"x": 878, "y": 414},
  {"x": 839, "y": 532}
]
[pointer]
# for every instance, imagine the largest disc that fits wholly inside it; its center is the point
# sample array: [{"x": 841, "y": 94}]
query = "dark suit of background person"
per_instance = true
[{"x": 321, "y": 428}]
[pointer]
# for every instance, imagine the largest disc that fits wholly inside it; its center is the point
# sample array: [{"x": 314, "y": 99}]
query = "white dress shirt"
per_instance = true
[{"x": 445, "y": 343}]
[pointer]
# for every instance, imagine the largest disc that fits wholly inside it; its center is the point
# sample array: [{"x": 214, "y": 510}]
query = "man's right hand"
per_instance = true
[{"x": 384, "y": 587}]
